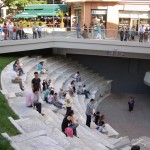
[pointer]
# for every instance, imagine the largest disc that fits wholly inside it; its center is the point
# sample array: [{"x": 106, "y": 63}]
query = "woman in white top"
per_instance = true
[{"x": 51, "y": 97}]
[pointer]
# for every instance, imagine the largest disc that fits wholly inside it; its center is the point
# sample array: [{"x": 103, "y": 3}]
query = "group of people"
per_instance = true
[
  {"x": 88, "y": 32},
  {"x": 13, "y": 31},
  {"x": 69, "y": 123},
  {"x": 129, "y": 35}
]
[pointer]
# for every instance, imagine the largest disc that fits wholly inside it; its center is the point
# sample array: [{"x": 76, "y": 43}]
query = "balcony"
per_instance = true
[{"x": 120, "y": 1}]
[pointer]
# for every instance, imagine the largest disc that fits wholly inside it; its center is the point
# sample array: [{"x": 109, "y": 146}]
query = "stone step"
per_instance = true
[
  {"x": 27, "y": 136},
  {"x": 40, "y": 143}
]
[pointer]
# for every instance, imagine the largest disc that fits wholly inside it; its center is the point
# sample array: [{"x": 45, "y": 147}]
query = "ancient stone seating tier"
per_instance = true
[{"x": 44, "y": 132}]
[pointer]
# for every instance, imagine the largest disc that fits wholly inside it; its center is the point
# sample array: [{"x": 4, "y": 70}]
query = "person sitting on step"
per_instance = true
[
  {"x": 32, "y": 100},
  {"x": 46, "y": 93},
  {"x": 51, "y": 97},
  {"x": 17, "y": 67},
  {"x": 77, "y": 77},
  {"x": 16, "y": 79},
  {"x": 72, "y": 86},
  {"x": 102, "y": 129},
  {"x": 101, "y": 120},
  {"x": 62, "y": 94},
  {"x": 70, "y": 122},
  {"x": 85, "y": 91},
  {"x": 44, "y": 85},
  {"x": 41, "y": 68},
  {"x": 96, "y": 117},
  {"x": 56, "y": 102},
  {"x": 135, "y": 147}
]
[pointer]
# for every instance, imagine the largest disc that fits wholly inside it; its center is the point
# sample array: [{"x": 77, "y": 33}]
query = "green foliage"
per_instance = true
[
  {"x": 1, "y": 20},
  {"x": 61, "y": 13},
  {"x": 5, "y": 144},
  {"x": 6, "y": 111},
  {"x": 19, "y": 4}
]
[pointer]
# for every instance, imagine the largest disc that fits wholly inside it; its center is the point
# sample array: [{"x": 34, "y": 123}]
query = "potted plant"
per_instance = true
[{"x": 61, "y": 14}]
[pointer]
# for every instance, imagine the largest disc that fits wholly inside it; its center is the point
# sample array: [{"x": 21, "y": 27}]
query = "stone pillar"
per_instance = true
[
  {"x": 3, "y": 12},
  {"x": 87, "y": 15},
  {"x": 112, "y": 21}
]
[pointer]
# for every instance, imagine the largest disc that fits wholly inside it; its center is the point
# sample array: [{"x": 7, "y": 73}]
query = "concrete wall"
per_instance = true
[{"x": 127, "y": 74}]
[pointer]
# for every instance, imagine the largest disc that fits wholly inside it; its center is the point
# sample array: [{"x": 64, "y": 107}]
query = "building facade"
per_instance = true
[{"x": 112, "y": 13}]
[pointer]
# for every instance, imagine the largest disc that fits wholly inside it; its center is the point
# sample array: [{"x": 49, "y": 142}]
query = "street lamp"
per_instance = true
[{"x": 53, "y": 18}]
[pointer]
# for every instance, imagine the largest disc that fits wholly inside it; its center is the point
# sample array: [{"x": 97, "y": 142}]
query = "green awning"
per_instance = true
[
  {"x": 33, "y": 11},
  {"x": 26, "y": 16}
]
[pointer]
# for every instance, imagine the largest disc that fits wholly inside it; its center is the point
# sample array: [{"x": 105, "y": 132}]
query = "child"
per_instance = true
[
  {"x": 44, "y": 85},
  {"x": 14, "y": 32}
]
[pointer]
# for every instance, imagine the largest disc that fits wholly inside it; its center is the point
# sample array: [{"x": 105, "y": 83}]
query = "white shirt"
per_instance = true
[
  {"x": 10, "y": 27},
  {"x": 101, "y": 129},
  {"x": 39, "y": 28}
]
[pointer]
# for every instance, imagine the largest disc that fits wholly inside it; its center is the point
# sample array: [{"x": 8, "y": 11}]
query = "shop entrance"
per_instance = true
[
  {"x": 74, "y": 21},
  {"x": 135, "y": 24}
]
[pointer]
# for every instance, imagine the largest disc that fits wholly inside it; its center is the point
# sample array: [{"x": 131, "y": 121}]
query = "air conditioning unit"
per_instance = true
[{"x": 147, "y": 78}]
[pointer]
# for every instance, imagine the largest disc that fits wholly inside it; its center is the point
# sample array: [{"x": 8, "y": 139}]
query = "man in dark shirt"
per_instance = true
[{"x": 36, "y": 83}]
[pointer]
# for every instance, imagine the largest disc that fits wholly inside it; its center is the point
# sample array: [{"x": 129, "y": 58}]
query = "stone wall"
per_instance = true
[{"x": 127, "y": 73}]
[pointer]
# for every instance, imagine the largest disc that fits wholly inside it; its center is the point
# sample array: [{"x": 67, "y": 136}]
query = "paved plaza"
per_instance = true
[{"x": 134, "y": 124}]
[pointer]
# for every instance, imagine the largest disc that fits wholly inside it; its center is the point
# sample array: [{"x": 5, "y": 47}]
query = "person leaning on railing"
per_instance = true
[
  {"x": 34, "y": 30},
  {"x": 133, "y": 33}
]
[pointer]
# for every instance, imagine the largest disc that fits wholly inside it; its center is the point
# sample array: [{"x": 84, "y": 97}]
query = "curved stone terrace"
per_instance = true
[{"x": 44, "y": 132}]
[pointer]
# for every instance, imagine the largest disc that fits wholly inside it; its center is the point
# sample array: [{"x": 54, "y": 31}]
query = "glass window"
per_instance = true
[{"x": 99, "y": 15}]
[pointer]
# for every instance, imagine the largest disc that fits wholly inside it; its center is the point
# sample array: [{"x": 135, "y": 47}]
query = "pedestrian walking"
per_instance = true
[
  {"x": 78, "y": 30},
  {"x": 99, "y": 31}
]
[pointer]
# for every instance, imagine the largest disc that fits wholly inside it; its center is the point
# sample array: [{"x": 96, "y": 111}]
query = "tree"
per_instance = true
[
  {"x": 61, "y": 14},
  {"x": 19, "y": 4}
]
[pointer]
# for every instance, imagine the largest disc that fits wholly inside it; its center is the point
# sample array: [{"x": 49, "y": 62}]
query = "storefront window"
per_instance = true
[
  {"x": 125, "y": 22},
  {"x": 98, "y": 16},
  {"x": 78, "y": 14},
  {"x": 144, "y": 22}
]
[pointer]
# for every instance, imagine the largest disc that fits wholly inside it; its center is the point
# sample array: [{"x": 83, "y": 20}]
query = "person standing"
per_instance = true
[
  {"x": 127, "y": 35},
  {"x": 85, "y": 31},
  {"x": 131, "y": 104},
  {"x": 78, "y": 30},
  {"x": 34, "y": 31},
  {"x": 146, "y": 35},
  {"x": 91, "y": 30},
  {"x": 20, "y": 30},
  {"x": 33, "y": 101},
  {"x": 39, "y": 30},
  {"x": 99, "y": 31},
  {"x": 10, "y": 30},
  {"x": 133, "y": 33},
  {"x": 36, "y": 84},
  {"x": 68, "y": 101},
  {"x": 141, "y": 34},
  {"x": 103, "y": 31},
  {"x": 5, "y": 31},
  {"x": 121, "y": 33},
  {"x": 89, "y": 112},
  {"x": 14, "y": 32}
]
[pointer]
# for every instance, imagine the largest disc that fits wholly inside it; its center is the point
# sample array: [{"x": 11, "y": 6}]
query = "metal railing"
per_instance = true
[{"x": 108, "y": 34}]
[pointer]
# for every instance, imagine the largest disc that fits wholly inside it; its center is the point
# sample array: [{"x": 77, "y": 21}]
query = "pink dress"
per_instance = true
[{"x": 29, "y": 99}]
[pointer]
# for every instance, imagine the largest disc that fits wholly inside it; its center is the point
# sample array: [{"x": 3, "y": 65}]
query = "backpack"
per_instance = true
[{"x": 69, "y": 132}]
